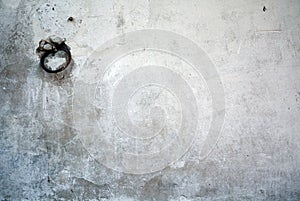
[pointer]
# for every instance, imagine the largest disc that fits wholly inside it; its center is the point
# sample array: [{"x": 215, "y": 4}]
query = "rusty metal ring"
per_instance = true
[{"x": 58, "y": 47}]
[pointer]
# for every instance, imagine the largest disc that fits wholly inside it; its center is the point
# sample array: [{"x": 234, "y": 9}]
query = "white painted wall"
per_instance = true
[{"x": 148, "y": 75}]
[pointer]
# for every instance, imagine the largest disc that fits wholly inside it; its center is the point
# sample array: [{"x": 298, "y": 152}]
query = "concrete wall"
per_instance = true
[{"x": 164, "y": 100}]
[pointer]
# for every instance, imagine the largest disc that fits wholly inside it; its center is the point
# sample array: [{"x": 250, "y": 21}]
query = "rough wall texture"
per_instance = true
[{"x": 47, "y": 151}]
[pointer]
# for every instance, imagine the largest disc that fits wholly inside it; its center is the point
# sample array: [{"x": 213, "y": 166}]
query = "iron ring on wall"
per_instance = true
[
  {"x": 50, "y": 47},
  {"x": 62, "y": 47}
]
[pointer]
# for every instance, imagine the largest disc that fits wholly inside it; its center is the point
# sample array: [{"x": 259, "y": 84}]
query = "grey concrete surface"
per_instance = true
[{"x": 164, "y": 100}]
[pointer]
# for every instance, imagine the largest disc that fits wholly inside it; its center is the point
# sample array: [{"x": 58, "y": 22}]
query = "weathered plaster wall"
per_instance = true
[{"x": 44, "y": 152}]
